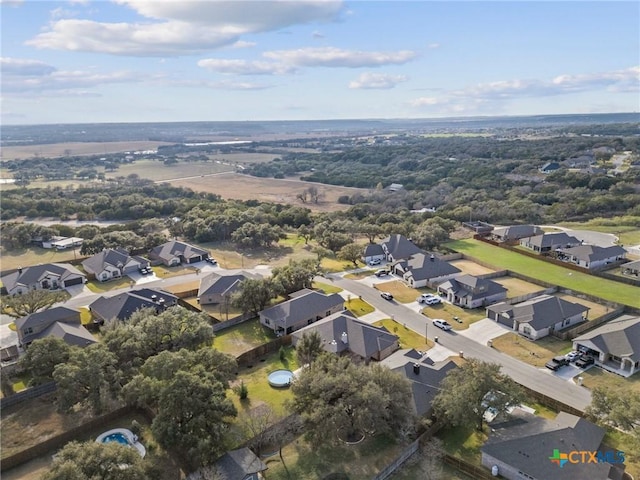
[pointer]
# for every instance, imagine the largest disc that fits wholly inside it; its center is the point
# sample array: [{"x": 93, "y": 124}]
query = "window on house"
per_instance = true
[
  {"x": 28, "y": 331},
  {"x": 267, "y": 322}
]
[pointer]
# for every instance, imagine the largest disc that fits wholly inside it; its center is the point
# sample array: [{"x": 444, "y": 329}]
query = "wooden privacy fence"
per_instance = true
[
  {"x": 253, "y": 355},
  {"x": 27, "y": 394}
]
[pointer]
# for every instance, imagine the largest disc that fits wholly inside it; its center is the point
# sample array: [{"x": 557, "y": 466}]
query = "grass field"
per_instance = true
[
  {"x": 101, "y": 287},
  {"x": 358, "y": 307},
  {"x": 33, "y": 256},
  {"x": 361, "y": 461},
  {"x": 534, "y": 353},
  {"x": 626, "y": 228},
  {"x": 75, "y": 148},
  {"x": 242, "y": 338},
  {"x": 516, "y": 287},
  {"x": 401, "y": 293},
  {"x": 326, "y": 288},
  {"x": 408, "y": 338},
  {"x": 578, "y": 281}
]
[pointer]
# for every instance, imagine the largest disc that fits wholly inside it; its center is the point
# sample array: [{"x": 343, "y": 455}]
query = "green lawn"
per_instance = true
[
  {"x": 463, "y": 442},
  {"x": 626, "y": 228},
  {"x": 555, "y": 274},
  {"x": 101, "y": 287},
  {"x": 358, "y": 307},
  {"x": 242, "y": 338},
  {"x": 447, "y": 311},
  {"x": 625, "y": 443},
  {"x": 361, "y": 461},
  {"x": 260, "y": 392},
  {"x": 326, "y": 288},
  {"x": 408, "y": 338},
  {"x": 401, "y": 293},
  {"x": 359, "y": 275},
  {"x": 25, "y": 257}
]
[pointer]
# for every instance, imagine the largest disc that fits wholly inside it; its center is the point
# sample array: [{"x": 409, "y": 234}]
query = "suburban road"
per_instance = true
[{"x": 527, "y": 375}]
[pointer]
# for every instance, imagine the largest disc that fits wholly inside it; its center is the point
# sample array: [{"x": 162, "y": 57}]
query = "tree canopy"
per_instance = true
[
  {"x": 18, "y": 306},
  {"x": 42, "y": 357},
  {"x": 467, "y": 392}
]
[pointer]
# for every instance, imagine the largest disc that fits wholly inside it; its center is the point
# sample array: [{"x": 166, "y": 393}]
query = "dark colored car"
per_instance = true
[
  {"x": 556, "y": 362},
  {"x": 584, "y": 361},
  {"x": 386, "y": 296},
  {"x": 382, "y": 273}
]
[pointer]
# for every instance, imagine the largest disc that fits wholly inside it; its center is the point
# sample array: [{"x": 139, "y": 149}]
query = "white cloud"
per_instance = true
[
  {"x": 471, "y": 98},
  {"x": 243, "y": 44},
  {"x": 222, "y": 85},
  {"x": 336, "y": 57},
  {"x": 317, "y": 35},
  {"x": 377, "y": 81},
  {"x": 433, "y": 46},
  {"x": 182, "y": 27},
  {"x": 244, "y": 67},
  {"x": 24, "y": 67}
]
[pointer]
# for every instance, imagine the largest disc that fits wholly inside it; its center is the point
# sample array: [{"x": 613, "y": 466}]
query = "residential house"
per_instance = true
[
  {"x": 304, "y": 308},
  {"x": 173, "y": 253},
  {"x": 424, "y": 374},
  {"x": 395, "y": 187},
  {"x": 343, "y": 333},
  {"x": 50, "y": 276},
  {"x": 9, "y": 354},
  {"x": 373, "y": 251},
  {"x": 615, "y": 345},
  {"x": 539, "y": 316},
  {"x": 531, "y": 447},
  {"x": 123, "y": 305},
  {"x": 631, "y": 268},
  {"x": 472, "y": 292},
  {"x": 62, "y": 243},
  {"x": 398, "y": 247},
  {"x": 61, "y": 322},
  {"x": 515, "y": 232},
  {"x": 113, "y": 263},
  {"x": 241, "y": 464},
  {"x": 550, "y": 167},
  {"x": 592, "y": 256},
  {"x": 548, "y": 242},
  {"x": 424, "y": 269},
  {"x": 218, "y": 287}
]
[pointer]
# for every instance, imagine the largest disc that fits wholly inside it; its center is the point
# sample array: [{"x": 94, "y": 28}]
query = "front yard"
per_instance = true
[
  {"x": 408, "y": 338},
  {"x": 534, "y": 353},
  {"x": 449, "y": 312},
  {"x": 597, "y": 377},
  {"x": 399, "y": 290},
  {"x": 358, "y": 306}
]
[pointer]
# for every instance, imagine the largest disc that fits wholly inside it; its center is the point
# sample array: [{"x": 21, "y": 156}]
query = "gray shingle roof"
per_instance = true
[
  {"x": 373, "y": 249},
  {"x": 174, "y": 248},
  {"x": 361, "y": 338},
  {"x": 72, "y": 334},
  {"x": 400, "y": 247},
  {"x": 528, "y": 446},
  {"x": 237, "y": 464},
  {"x": 619, "y": 337},
  {"x": 544, "y": 311},
  {"x": 516, "y": 232},
  {"x": 552, "y": 239},
  {"x": 115, "y": 257},
  {"x": 31, "y": 275},
  {"x": 38, "y": 320},
  {"x": 223, "y": 283},
  {"x": 425, "y": 266},
  {"x": 123, "y": 305},
  {"x": 593, "y": 253},
  {"x": 468, "y": 286},
  {"x": 301, "y": 307}
]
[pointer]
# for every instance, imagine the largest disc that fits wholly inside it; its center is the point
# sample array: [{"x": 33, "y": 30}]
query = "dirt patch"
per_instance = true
[
  {"x": 516, "y": 287},
  {"x": 595, "y": 309},
  {"x": 244, "y": 187},
  {"x": 471, "y": 268}
]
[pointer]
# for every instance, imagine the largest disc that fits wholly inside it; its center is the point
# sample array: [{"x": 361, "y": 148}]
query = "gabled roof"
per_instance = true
[
  {"x": 373, "y": 249},
  {"x": 43, "y": 318},
  {"x": 30, "y": 275},
  {"x": 552, "y": 239},
  {"x": 425, "y": 266},
  {"x": 541, "y": 311},
  {"x": 237, "y": 464},
  {"x": 342, "y": 331},
  {"x": 619, "y": 337},
  {"x": 301, "y": 307},
  {"x": 72, "y": 334},
  {"x": 123, "y": 305},
  {"x": 528, "y": 446},
  {"x": 399, "y": 246},
  {"x": 515, "y": 232},
  {"x": 223, "y": 283},
  {"x": 174, "y": 248},
  {"x": 425, "y": 384},
  {"x": 115, "y": 257},
  {"x": 468, "y": 286},
  {"x": 593, "y": 253},
  {"x": 631, "y": 265}
]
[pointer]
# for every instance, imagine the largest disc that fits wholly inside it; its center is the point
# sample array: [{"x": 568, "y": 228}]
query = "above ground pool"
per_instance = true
[
  {"x": 280, "y": 378},
  {"x": 123, "y": 437},
  {"x": 116, "y": 437}
]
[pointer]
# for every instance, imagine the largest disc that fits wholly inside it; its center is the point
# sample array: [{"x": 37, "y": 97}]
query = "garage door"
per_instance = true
[{"x": 74, "y": 281}]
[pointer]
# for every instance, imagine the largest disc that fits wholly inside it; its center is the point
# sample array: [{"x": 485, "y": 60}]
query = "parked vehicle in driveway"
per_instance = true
[
  {"x": 556, "y": 362},
  {"x": 442, "y": 324},
  {"x": 584, "y": 361},
  {"x": 429, "y": 299},
  {"x": 386, "y": 296},
  {"x": 572, "y": 356},
  {"x": 382, "y": 273},
  {"x": 375, "y": 261}
]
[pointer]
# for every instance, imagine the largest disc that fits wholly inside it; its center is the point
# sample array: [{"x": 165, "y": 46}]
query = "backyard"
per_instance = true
[
  {"x": 517, "y": 287},
  {"x": 555, "y": 274},
  {"x": 242, "y": 337},
  {"x": 471, "y": 268}
]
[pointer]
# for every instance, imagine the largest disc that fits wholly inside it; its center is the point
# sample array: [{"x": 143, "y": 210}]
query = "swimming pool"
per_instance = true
[
  {"x": 280, "y": 378},
  {"x": 116, "y": 437}
]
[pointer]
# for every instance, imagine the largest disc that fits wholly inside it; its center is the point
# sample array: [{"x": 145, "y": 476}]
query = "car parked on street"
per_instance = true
[
  {"x": 442, "y": 324},
  {"x": 386, "y": 296},
  {"x": 584, "y": 361},
  {"x": 556, "y": 362}
]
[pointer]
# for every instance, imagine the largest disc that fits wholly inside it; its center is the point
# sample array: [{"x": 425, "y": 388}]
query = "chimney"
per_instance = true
[
  {"x": 432, "y": 258},
  {"x": 19, "y": 269},
  {"x": 416, "y": 368},
  {"x": 345, "y": 338}
]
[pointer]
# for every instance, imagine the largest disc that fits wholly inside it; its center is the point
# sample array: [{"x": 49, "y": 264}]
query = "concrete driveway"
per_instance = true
[
  {"x": 588, "y": 236},
  {"x": 484, "y": 330}
]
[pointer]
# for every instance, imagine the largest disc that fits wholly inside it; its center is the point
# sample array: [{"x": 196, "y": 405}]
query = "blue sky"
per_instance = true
[{"x": 139, "y": 60}]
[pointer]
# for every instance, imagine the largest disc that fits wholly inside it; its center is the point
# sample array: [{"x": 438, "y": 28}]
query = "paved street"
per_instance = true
[{"x": 532, "y": 377}]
